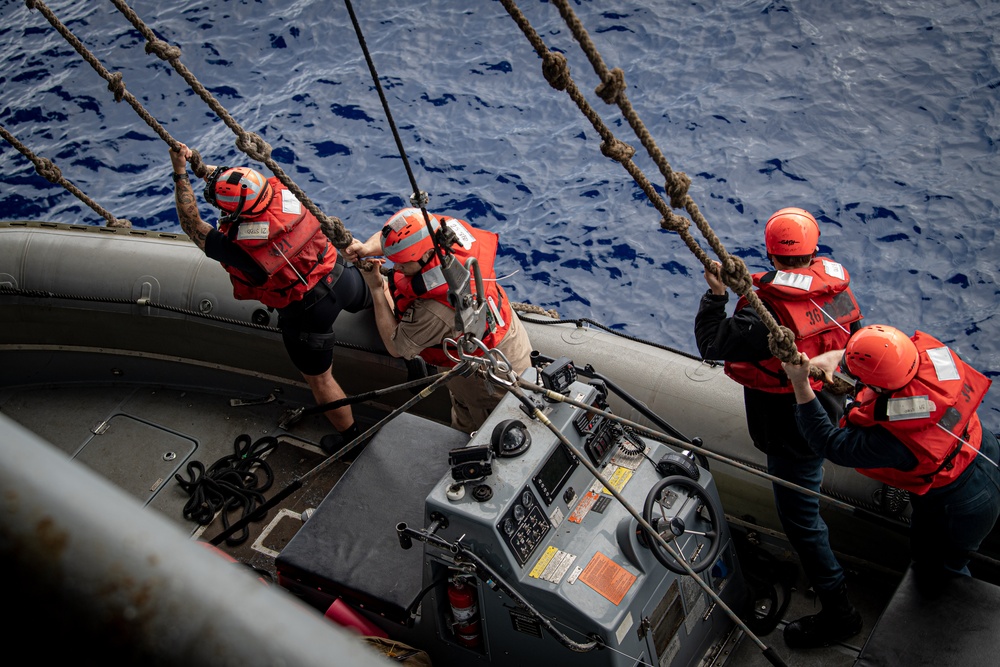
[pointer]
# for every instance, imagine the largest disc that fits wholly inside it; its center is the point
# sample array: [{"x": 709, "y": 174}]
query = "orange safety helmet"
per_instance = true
[
  {"x": 405, "y": 237},
  {"x": 881, "y": 356},
  {"x": 240, "y": 191},
  {"x": 791, "y": 232}
]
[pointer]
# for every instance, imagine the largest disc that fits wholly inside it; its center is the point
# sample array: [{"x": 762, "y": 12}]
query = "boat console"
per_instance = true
[{"x": 504, "y": 548}]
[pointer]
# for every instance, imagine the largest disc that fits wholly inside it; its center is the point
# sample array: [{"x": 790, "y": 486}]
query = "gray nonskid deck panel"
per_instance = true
[{"x": 140, "y": 431}]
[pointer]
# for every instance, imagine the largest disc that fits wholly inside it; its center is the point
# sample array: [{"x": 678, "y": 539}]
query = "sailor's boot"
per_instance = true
[
  {"x": 334, "y": 442},
  {"x": 836, "y": 621}
]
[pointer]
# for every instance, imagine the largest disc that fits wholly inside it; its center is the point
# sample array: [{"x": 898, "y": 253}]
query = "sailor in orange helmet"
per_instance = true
[
  {"x": 275, "y": 252},
  {"x": 913, "y": 425},
  {"x": 414, "y": 316},
  {"x": 810, "y": 295}
]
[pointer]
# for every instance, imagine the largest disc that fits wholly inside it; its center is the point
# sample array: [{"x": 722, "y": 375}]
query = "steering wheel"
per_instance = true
[{"x": 664, "y": 515}]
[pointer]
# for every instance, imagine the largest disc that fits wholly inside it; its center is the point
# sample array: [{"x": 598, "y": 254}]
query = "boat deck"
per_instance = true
[
  {"x": 137, "y": 435},
  {"x": 141, "y": 436}
]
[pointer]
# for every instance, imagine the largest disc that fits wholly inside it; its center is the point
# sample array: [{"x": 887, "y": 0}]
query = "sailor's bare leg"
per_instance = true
[{"x": 326, "y": 389}]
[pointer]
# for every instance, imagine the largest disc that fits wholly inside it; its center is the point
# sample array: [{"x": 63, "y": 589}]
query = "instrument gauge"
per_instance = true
[
  {"x": 518, "y": 513},
  {"x": 508, "y": 526},
  {"x": 527, "y": 499}
]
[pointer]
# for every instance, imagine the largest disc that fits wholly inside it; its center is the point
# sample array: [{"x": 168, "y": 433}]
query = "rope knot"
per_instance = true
[
  {"x": 677, "y": 185},
  {"x": 116, "y": 86},
  {"x": 674, "y": 223},
  {"x": 834, "y": 385},
  {"x": 617, "y": 150},
  {"x": 48, "y": 170},
  {"x": 197, "y": 166},
  {"x": 734, "y": 273},
  {"x": 162, "y": 50},
  {"x": 782, "y": 344},
  {"x": 612, "y": 87},
  {"x": 254, "y": 146},
  {"x": 333, "y": 229},
  {"x": 120, "y": 223},
  {"x": 556, "y": 70}
]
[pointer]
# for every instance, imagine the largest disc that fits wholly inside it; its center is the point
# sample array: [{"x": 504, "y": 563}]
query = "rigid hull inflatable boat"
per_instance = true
[{"x": 125, "y": 352}]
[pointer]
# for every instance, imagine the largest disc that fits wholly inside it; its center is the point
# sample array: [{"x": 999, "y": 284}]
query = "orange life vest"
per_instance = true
[
  {"x": 928, "y": 415},
  {"x": 288, "y": 243},
  {"x": 816, "y": 303},
  {"x": 430, "y": 284}
]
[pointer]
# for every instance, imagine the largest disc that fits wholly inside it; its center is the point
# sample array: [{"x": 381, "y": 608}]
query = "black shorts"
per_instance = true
[{"x": 307, "y": 325}]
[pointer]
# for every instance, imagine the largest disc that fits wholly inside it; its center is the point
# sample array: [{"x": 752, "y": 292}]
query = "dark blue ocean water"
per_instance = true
[{"x": 879, "y": 117}]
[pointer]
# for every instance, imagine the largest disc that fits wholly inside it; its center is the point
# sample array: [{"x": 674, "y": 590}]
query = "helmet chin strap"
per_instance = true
[
  {"x": 425, "y": 260},
  {"x": 235, "y": 214},
  {"x": 210, "y": 182}
]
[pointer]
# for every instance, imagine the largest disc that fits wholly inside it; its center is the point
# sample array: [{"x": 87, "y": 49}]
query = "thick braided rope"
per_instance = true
[
  {"x": 253, "y": 145},
  {"x": 612, "y": 90},
  {"x": 49, "y": 171},
  {"x": 533, "y": 309},
  {"x": 115, "y": 80}
]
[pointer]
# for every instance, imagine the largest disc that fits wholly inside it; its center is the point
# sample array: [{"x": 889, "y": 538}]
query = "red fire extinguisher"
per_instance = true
[{"x": 462, "y": 598}]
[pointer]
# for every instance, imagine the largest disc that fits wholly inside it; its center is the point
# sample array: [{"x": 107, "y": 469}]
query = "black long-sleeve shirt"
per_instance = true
[
  {"x": 743, "y": 337},
  {"x": 851, "y": 446},
  {"x": 221, "y": 248}
]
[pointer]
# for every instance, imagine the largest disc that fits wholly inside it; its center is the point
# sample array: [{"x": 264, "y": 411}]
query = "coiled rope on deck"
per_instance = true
[
  {"x": 230, "y": 484},
  {"x": 612, "y": 90}
]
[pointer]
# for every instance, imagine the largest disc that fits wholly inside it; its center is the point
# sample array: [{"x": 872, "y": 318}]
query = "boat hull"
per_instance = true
[{"x": 114, "y": 291}]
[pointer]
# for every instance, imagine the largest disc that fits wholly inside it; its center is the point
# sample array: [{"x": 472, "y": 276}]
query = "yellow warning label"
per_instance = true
[
  {"x": 543, "y": 562},
  {"x": 618, "y": 480},
  {"x": 552, "y": 565}
]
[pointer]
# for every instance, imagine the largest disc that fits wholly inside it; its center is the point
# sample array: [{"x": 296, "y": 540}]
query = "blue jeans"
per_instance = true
[
  {"x": 953, "y": 520},
  {"x": 800, "y": 519}
]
